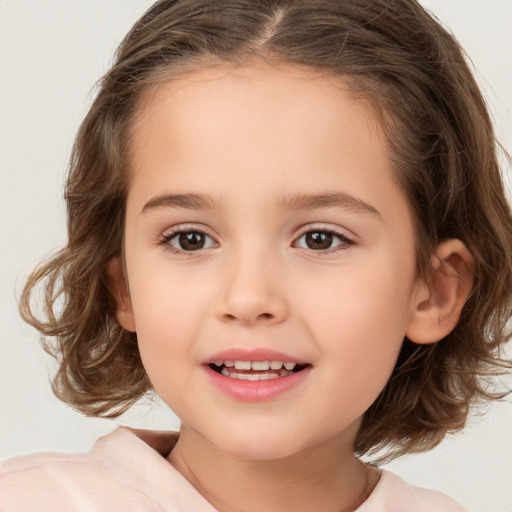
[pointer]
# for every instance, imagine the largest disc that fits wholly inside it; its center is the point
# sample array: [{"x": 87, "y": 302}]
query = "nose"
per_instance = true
[{"x": 253, "y": 292}]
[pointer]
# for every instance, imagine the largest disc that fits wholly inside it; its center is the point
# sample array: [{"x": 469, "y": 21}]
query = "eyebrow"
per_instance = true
[
  {"x": 327, "y": 200},
  {"x": 188, "y": 201},
  {"x": 293, "y": 202}
]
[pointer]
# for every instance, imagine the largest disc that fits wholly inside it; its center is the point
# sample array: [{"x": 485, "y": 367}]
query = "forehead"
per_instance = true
[
  {"x": 250, "y": 98},
  {"x": 259, "y": 133}
]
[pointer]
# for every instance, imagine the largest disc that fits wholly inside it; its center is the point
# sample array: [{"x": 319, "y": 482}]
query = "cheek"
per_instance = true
[
  {"x": 169, "y": 316},
  {"x": 367, "y": 297},
  {"x": 361, "y": 320}
]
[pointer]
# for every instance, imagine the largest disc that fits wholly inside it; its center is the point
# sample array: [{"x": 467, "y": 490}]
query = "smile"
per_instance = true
[{"x": 256, "y": 370}]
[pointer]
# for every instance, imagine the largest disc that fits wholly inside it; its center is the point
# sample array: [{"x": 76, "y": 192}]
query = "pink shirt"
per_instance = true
[{"x": 127, "y": 471}]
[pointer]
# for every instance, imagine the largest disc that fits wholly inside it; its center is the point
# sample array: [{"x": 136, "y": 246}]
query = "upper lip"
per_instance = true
[{"x": 256, "y": 354}]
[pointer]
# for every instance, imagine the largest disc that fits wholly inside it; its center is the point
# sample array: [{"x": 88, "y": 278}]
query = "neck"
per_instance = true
[{"x": 325, "y": 477}]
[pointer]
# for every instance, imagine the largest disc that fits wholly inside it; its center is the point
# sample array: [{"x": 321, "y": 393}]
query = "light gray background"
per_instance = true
[{"x": 51, "y": 53}]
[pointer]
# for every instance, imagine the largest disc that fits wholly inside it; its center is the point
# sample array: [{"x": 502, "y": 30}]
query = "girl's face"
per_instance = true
[{"x": 264, "y": 225}]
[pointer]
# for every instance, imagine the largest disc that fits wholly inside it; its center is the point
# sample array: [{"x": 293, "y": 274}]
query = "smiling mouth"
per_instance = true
[{"x": 256, "y": 370}]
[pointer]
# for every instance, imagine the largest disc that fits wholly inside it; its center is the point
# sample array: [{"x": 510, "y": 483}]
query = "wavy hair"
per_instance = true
[{"x": 414, "y": 74}]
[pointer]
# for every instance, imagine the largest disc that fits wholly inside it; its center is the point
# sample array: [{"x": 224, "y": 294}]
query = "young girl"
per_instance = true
[{"x": 287, "y": 219}]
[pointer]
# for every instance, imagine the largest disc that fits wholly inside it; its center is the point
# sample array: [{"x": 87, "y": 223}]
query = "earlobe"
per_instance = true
[
  {"x": 439, "y": 304},
  {"x": 119, "y": 288}
]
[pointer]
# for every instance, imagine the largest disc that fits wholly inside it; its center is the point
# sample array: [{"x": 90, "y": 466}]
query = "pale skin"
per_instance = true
[{"x": 249, "y": 139}]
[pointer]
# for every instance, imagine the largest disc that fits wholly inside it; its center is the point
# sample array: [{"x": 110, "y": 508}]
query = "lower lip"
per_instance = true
[{"x": 256, "y": 390}]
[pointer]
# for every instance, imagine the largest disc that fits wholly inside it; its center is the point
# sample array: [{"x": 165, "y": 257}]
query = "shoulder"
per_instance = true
[
  {"x": 393, "y": 494},
  {"x": 56, "y": 482},
  {"x": 67, "y": 482}
]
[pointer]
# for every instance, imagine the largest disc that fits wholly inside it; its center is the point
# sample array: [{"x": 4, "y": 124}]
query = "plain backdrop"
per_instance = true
[{"x": 51, "y": 54}]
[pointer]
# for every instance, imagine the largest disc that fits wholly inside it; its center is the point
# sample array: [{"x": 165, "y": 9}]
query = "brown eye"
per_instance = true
[
  {"x": 191, "y": 241},
  {"x": 188, "y": 240},
  {"x": 319, "y": 240},
  {"x": 323, "y": 240}
]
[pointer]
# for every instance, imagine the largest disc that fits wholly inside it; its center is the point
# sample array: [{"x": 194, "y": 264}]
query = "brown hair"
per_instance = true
[{"x": 413, "y": 72}]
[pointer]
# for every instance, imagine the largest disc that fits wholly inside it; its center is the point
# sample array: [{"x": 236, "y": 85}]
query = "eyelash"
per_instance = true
[
  {"x": 345, "y": 244},
  {"x": 345, "y": 241},
  {"x": 166, "y": 239}
]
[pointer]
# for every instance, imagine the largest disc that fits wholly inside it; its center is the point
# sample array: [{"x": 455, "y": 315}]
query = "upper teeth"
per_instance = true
[{"x": 256, "y": 365}]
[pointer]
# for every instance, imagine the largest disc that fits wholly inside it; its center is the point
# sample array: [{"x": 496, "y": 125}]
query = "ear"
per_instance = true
[
  {"x": 437, "y": 306},
  {"x": 118, "y": 285}
]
